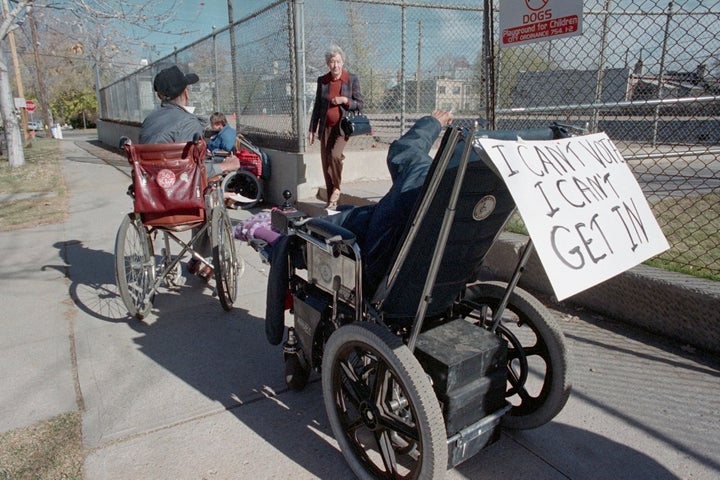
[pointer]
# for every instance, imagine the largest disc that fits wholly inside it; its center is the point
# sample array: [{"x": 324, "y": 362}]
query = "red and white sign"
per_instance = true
[
  {"x": 30, "y": 106},
  {"x": 529, "y": 21}
]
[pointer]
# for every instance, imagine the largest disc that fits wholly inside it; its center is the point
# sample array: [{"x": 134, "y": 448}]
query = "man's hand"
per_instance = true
[
  {"x": 311, "y": 137},
  {"x": 442, "y": 116},
  {"x": 230, "y": 164}
]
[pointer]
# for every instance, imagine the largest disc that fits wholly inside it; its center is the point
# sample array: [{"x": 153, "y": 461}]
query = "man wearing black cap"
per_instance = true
[{"x": 172, "y": 122}]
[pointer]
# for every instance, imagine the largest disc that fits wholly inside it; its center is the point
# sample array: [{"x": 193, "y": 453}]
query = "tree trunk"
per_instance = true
[{"x": 15, "y": 152}]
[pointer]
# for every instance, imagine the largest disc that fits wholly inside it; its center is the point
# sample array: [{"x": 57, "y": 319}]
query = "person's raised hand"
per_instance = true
[{"x": 443, "y": 116}]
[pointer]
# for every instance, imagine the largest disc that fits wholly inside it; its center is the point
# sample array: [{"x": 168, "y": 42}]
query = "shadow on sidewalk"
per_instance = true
[{"x": 222, "y": 355}]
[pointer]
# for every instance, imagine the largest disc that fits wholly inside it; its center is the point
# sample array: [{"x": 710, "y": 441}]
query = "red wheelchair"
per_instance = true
[{"x": 171, "y": 194}]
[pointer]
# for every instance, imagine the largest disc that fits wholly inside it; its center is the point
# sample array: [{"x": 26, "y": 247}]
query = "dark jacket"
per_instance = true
[
  {"x": 171, "y": 123},
  {"x": 223, "y": 140},
  {"x": 380, "y": 227},
  {"x": 350, "y": 88},
  {"x": 408, "y": 161}
]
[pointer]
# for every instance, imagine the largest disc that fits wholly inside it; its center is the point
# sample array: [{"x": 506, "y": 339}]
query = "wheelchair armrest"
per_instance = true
[{"x": 329, "y": 231}]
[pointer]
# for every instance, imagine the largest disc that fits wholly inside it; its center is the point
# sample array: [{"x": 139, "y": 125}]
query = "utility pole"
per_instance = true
[
  {"x": 18, "y": 78},
  {"x": 42, "y": 94}
]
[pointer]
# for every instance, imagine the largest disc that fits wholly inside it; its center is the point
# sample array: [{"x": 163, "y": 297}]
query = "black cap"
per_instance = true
[{"x": 171, "y": 82}]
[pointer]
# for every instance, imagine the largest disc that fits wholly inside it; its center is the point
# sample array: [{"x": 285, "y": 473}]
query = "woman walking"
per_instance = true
[{"x": 338, "y": 92}]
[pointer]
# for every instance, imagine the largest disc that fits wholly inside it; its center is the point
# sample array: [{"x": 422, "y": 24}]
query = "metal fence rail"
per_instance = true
[{"x": 645, "y": 72}]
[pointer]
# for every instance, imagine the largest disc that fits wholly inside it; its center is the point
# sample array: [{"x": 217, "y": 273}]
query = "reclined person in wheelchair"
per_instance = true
[
  {"x": 378, "y": 228},
  {"x": 420, "y": 360},
  {"x": 174, "y": 122}
]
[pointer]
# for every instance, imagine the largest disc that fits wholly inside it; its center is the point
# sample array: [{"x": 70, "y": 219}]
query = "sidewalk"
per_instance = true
[{"x": 195, "y": 392}]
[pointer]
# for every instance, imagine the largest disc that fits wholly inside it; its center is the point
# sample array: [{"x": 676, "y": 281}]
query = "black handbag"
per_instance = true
[{"x": 355, "y": 124}]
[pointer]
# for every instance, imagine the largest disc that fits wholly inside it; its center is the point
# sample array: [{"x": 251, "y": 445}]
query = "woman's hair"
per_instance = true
[
  {"x": 332, "y": 51},
  {"x": 218, "y": 117}
]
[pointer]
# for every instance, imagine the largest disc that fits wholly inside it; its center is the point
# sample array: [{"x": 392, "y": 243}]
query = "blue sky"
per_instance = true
[{"x": 197, "y": 22}]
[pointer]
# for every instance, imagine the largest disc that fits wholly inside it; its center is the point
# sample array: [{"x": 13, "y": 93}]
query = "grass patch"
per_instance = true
[
  {"x": 48, "y": 450},
  {"x": 38, "y": 186},
  {"x": 691, "y": 226}
]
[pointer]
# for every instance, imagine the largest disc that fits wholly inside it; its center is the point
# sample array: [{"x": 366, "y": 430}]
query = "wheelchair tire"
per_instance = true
[
  {"x": 381, "y": 406},
  {"x": 224, "y": 257},
  {"x": 134, "y": 266},
  {"x": 245, "y": 184},
  {"x": 537, "y": 364}
]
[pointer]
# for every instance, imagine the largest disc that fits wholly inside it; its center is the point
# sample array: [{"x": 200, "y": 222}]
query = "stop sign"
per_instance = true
[{"x": 29, "y": 106}]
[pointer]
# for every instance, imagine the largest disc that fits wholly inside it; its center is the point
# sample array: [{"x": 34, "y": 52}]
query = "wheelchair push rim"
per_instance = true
[
  {"x": 381, "y": 406},
  {"x": 225, "y": 260},
  {"x": 538, "y": 384},
  {"x": 134, "y": 266}
]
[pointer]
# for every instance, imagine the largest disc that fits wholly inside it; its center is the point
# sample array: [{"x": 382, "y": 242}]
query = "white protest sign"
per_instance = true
[
  {"x": 528, "y": 21},
  {"x": 582, "y": 206}
]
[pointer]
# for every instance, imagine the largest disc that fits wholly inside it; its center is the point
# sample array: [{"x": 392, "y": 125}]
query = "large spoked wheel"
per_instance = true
[
  {"x": 537, "y": 364},
  {"x": 381, "y": 406},
  {"x": 224, "y": 258},
  {"x": 245, "y": 186},
  {"x": 134, "y": 266}
]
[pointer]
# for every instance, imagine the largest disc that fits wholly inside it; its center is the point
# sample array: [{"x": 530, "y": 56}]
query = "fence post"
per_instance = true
[
  {"x": 215, "y": 74},
  {"x": 297, "y": 70},
  {"x": 489, "y": 66},
  {"x": 233, "y": 61},
  {"x": 661, "y": 76},
  {"x": 601, "y": 69},
  {"x": 402, "y": 69}
]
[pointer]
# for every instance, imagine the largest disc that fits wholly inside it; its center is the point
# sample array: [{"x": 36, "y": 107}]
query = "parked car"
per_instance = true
[{"x": 35, "y": 126}]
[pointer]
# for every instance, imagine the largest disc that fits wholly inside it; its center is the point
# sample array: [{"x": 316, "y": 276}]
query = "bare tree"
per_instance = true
[
  {"x": 16, "y": 156},
  {"x": 91, "y": 29}
]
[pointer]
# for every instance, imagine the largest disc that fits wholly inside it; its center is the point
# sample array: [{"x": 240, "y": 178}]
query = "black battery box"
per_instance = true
[{"x": 467, "y": 366}]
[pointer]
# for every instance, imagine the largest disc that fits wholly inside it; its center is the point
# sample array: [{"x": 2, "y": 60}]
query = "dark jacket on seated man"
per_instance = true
[{"x": 379, "y": 227}]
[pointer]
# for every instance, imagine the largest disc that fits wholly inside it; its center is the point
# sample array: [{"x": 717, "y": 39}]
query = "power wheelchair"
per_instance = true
[
  {"x": 419, "y": 372},
  {"x": 139, "y": 272}
]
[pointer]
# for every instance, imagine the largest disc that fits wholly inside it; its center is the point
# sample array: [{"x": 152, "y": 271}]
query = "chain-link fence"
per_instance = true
[{"x": 645, "y": 72}]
